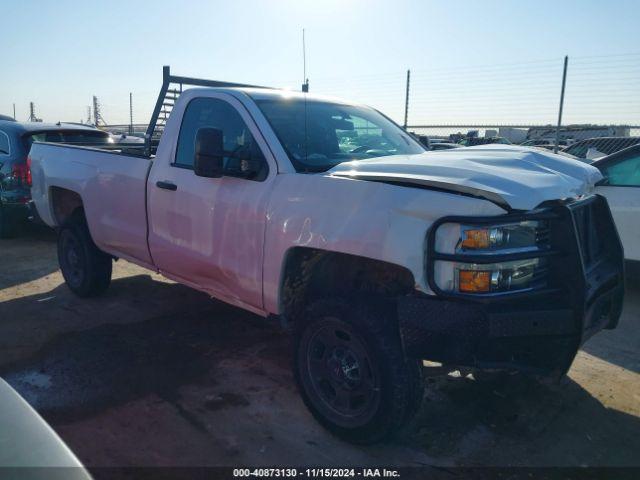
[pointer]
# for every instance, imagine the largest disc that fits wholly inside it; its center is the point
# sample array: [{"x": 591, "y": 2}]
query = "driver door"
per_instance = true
[{"x": 208, "y": 232}]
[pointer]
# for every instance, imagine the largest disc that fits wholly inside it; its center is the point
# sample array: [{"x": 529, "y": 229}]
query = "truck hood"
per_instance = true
[{"x": 514, "y": 177}]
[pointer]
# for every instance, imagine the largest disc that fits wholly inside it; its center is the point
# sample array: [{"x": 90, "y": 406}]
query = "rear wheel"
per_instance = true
[
  {"x": 85, "y": 268},
  {"x": 352, "y": 373}
]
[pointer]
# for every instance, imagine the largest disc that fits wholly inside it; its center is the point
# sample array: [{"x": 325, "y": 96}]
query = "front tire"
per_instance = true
[
  {"x": 351, "y": 371},
  {"x": 85, "y": 268}
]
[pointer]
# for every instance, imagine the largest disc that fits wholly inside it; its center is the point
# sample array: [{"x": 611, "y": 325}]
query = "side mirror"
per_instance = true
[{"x": 209, "y": 153}]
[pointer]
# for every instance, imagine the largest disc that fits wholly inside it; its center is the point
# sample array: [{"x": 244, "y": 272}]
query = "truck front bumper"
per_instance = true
[
  {"x": 513, "y": 337},
  {"x": 538, "y": 331}
]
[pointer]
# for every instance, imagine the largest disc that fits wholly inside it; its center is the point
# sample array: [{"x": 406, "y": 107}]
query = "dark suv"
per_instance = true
[{"x": 15, "y": 172}]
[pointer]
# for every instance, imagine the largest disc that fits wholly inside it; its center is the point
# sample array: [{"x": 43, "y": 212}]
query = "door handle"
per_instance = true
[{"x": 167, "y": 186}]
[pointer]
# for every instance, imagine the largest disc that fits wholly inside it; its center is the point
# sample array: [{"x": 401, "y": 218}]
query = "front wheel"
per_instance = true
[
  {"x": 85, "y": 268},
  {"x": 351, "y": 370}
]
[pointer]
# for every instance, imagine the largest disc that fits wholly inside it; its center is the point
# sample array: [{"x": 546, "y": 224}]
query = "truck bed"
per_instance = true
[{"x": 112, "y": 185}]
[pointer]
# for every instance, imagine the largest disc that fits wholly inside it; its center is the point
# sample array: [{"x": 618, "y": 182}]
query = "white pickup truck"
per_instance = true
[{"x": 328, "y": 215}]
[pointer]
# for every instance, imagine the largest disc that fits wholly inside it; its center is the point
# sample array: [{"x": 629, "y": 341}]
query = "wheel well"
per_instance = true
[
  {"x": 65, "y": 204},
  {"x": 310, "y": 273}
]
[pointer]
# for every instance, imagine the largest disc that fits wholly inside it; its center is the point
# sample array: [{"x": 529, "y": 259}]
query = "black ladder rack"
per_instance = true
[{"x": 167, "y": 99}]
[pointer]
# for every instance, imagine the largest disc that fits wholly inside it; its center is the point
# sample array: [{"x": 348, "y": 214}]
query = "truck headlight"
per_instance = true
[
  {"x": 515, "y": 235},
  {"x": 496, "y": 277},
  {"x": 488, "y": 259}
]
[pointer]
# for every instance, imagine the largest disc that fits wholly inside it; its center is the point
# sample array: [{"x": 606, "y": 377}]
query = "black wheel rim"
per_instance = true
[
  {"x": 344, "y": 379},
  {"x": 72, "y": 259}
]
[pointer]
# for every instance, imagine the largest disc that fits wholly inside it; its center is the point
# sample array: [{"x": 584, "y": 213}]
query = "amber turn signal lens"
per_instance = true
[
  {"x": 474, "y": 281},
  {"x": 476, "y": 239}
]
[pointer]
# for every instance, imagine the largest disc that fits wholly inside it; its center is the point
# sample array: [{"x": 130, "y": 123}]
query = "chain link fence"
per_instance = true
[
  {"x": 470, "y": 104},
  {"x": 512, "y": 103}
]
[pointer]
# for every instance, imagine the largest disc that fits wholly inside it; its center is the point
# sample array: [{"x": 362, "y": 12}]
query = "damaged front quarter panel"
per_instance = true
[{"x": 368, "y": 219}]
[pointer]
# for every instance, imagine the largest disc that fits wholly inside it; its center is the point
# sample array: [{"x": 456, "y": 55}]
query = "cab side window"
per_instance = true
[
  {"x": 623, "y": 173},
  {"x": 238, "y": 141}
]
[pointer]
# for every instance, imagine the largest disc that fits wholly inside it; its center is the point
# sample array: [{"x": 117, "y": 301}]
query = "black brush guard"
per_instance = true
[{"x": 540, "y": 330}]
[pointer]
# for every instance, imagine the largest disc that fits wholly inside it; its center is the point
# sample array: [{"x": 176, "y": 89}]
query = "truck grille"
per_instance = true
[{"x": 588, "y": 225}]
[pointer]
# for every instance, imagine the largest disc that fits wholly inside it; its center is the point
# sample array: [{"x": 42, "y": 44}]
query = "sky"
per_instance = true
[{"x": 471, "y": 61}]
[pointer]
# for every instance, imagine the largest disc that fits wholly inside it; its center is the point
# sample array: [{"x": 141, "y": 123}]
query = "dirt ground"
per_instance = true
[{"x": 156, "y": 374}]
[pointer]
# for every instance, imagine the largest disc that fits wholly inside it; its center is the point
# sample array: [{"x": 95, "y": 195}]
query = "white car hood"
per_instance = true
[{"x": 515, "y": 177}]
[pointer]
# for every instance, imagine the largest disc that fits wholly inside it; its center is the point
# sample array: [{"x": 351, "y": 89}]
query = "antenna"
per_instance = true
[{"x": 305, "y": 80}]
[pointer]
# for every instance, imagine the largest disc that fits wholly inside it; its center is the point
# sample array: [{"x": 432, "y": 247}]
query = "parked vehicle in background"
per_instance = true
[
  {"x": 594, "y": 148},
  {"x": 544, "y": 142},
  {"x": 424, "y": 140},
  {"x": 621, "y": 187},
  {"x": 377, "y": 253},
  {"x": 30, "y": 447},
  {"x": 444, "y": 145},
  {"x": 79, "y": 124},
  {"x": 124, "y": 138},
  {"x": 551, "y": 148},
  {"x": 575, "y": 133},
  {"x": 473, "y": 141},
  {"x": 15, "y": 174},
  {"x": 431, "y": 144}
]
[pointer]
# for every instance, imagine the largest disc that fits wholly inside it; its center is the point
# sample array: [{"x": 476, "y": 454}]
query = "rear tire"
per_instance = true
[
  {"x": 85, "y": 268},
  {"x": 351, "y": 370}
]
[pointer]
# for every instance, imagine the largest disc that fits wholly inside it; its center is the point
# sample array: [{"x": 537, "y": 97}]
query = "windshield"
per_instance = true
[{"x": 319, "y": 135}]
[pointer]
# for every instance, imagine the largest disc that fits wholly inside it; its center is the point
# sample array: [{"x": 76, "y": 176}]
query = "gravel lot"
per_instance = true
[{"x": 155, "y": 374}]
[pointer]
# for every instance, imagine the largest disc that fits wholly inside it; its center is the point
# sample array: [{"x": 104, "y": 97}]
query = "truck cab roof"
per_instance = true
[{"x": 274, "y": 94}]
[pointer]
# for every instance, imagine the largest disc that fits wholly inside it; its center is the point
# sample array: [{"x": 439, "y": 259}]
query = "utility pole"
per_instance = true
[
  {"x": 14, "y": 111},
  {"x": 305, "y": 84},
  {"x": 564, "y": 82},
  {"x": 130, "y": 113},
  {"x": 88, "y": 115},
  {"x": 97, "y": 116},
  {"x": 32, "y": 113},
  {"x": 96, "y": 110},
  {"x": 406, "y": 100}
]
